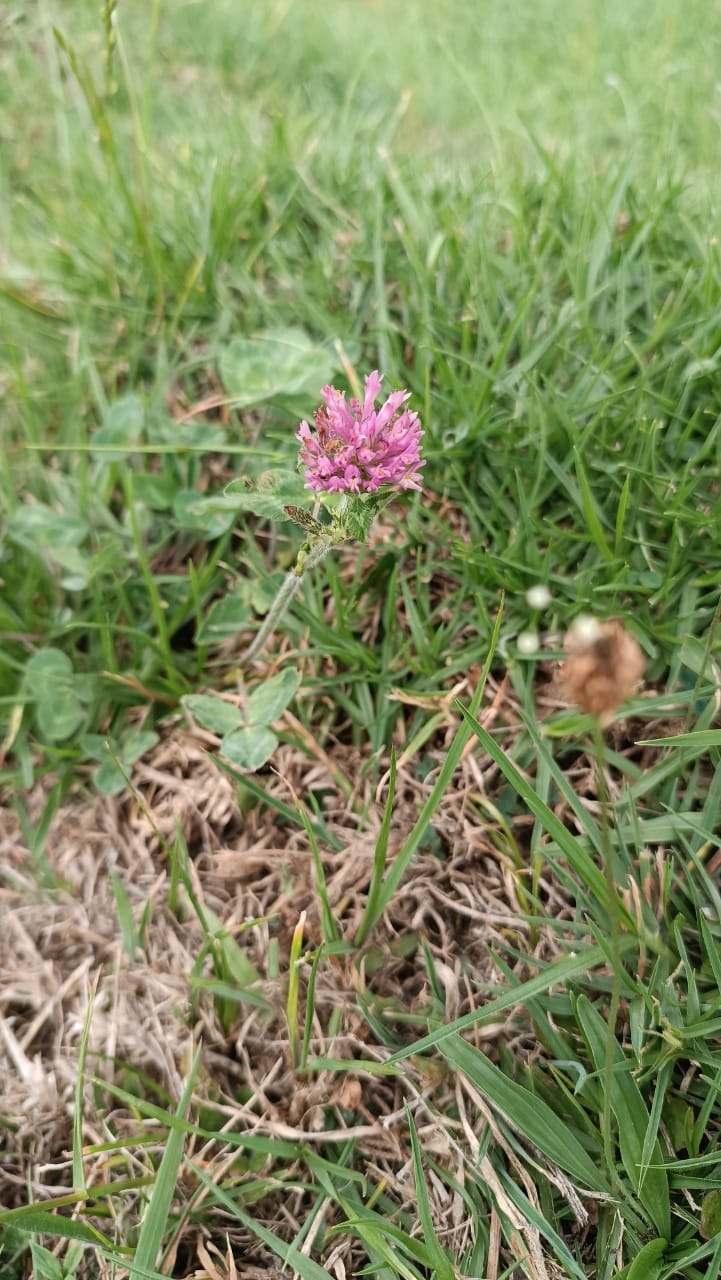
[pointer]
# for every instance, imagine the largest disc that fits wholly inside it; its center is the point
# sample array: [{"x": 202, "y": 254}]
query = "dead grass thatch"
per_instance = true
[{"x": 65, "y": 962}]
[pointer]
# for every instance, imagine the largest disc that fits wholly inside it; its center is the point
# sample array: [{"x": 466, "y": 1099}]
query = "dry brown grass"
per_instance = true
[{"x": 62, "y": 962}]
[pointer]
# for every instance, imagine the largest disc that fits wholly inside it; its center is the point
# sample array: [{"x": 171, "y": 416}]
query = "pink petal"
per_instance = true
[{"x": 373, "y": 389}]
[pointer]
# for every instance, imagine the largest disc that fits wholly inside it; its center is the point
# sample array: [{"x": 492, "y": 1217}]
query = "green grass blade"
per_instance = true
[
  {"x": 584, "y": 866},
  {"x": 698, "y": 741},
  {"x": 558, "y": 972},
  {"x": 155, "y": 1218},
  {"x": 528, "y": 1114},
  {"x": 590, "y": 512},
  {"x": 378, "y": 896},
  {"x": 292, "y": 997},
  {"x": 310, "y": 1006},
  {"x": 651, "y": 1182},
  {"x": 289, "y": 1254},
  {"x": 79, "y": 1182},
  {"x": 443, "y": 1269},
  {"x": 648, "y": 1263},
  {"x": 56, "y": 1226},
  {"x": 390, "y": 885},
  {"x": 331, "y": 930},
  {"x": 536, "y": 1218}
]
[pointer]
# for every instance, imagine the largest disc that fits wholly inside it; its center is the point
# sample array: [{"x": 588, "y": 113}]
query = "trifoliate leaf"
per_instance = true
[
  {"x": 268, "y": 702},
  {"x": 110, "y": 778},
  {"x": 38, "y": 526},
  {"x": 212, "y": 712},
  {"x": 122, "y": 430},
  {"x": 278, "y": 362},
  {"x": 273, "y": 492},
  {"x": 211, "y": 517},
  {"x": 48, "y": 681},
  {"x": 249, "y": 747}
]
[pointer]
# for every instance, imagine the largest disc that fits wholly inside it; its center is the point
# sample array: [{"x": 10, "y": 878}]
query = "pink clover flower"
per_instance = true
[{"x": 357, "y": 448}]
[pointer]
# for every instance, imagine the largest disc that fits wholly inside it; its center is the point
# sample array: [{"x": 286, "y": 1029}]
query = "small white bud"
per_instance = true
[
  {"x": 527, "y": 642},
  {"x": 538, "y": 597},
  {"x": 585, "y": 629}
]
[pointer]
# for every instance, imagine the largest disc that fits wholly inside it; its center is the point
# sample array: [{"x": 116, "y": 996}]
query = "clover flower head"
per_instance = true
[{"x": 357, "y": 448}]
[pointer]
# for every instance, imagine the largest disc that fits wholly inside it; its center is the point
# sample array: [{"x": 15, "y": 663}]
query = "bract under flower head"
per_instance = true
[{"x": 357, "y": 448}]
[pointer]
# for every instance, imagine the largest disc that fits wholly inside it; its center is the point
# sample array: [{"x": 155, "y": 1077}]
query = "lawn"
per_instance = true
[{"x": 370, "y": 950}]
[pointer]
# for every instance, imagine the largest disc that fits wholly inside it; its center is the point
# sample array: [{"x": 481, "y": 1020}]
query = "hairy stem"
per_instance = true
[
  {"x": 310, "y": 554},
  {"x": 279, "y": 607}
]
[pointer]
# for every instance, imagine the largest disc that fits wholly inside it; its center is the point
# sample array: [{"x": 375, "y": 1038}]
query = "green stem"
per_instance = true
[
  {"x": 614, "y": 921},
  {"x": 278, "y": 609},
  {"x": 310, "y": 554}
]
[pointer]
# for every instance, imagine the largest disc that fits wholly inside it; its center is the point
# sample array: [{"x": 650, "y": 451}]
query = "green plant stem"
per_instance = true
[
  {"x": 614, "y": 921},
  {"x": 278, "y": 609},
  {"x": 310, "y": 554}
]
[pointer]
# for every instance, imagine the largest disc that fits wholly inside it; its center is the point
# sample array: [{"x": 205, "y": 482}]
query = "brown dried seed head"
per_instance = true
[{"x": 603, "y": 667}]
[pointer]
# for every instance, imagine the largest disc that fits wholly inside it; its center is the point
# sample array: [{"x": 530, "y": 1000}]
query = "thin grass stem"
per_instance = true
[{"x": 614, "y": 921}]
